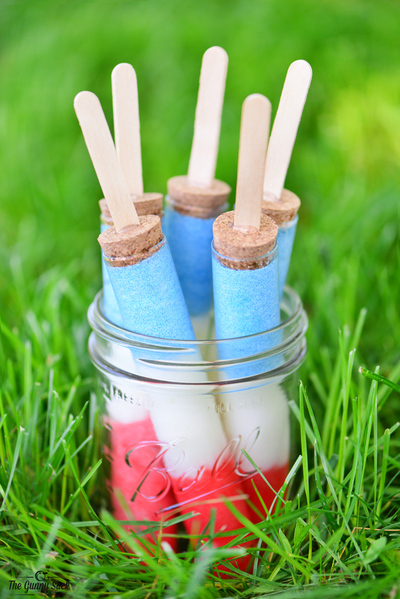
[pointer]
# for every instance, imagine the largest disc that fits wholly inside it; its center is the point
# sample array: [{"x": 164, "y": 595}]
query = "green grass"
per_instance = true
[{"x": 338, "y": 531}]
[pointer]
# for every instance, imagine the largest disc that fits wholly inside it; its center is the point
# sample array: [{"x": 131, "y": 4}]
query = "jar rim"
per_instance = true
[
  {"x": 273, "y": 353},
  {"x": 291, "y": 304}
]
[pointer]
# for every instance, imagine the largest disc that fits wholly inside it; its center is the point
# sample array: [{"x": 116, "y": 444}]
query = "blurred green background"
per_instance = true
[{"x": 345, "y": 165}]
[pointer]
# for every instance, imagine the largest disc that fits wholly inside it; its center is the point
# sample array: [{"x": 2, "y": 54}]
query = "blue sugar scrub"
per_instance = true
[
  {"x": 285, "y": 239},
  {"x": 150, "y": 298},
  {"x": 246, "y": 302},
  {"x": 190, "y": 213},
  {"x": 246, "y": 291},
  {"x": 148, "y": 203},
  {"x": 145, "y": 282},
  {"x": 284, "y": 213},
  {"x": 190, "y": 240}
]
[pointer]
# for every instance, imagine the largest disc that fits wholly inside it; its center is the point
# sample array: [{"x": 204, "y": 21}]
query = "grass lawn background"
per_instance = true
[{"x": 345, "y": 169}]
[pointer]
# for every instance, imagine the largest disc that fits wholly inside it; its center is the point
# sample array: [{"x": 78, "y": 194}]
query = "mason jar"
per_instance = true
[{"x": 187, "y": 428}]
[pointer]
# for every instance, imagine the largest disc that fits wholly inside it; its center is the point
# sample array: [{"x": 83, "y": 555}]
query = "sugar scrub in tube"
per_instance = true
[
  {"x": 151, "y": 303},
  {"x": 278, "y": 203},
  {"x": 246, "y": 302},
  {"x": 127, "y": 140},
  {"x": 196, "y": 199},
  {"x": 129, "y": 426}
]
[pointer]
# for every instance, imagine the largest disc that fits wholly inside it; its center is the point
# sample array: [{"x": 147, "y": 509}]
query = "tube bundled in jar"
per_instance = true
[
  {"x": 151, "y": 303},
  {"x": 278, "y": 203},
  {"x": 246, "y": 303},
  {"x": 133, "y": 440},
  {"x": 195, "y": 200},
  {"x": 127, "y": 141}
]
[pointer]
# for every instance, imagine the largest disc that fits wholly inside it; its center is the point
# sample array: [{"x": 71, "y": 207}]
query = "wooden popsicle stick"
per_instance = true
[
  {"x": 203, "y": 156},
  {"x": 254, "y": 131},
  {"x": 285, "y": 126},
  {"x": 105, "y": 161},
  {"x": 127, "y": 126}
]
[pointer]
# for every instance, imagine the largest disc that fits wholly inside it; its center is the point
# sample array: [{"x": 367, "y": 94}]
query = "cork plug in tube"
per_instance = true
[
  {"x": 194, "y": 200},
  {"x": 278, "y": 203},
  {"x": 246, "y": 301},
  {"x": 132, "y": 240}
]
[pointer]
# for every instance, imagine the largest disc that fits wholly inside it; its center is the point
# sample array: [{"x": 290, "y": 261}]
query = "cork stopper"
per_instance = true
[
  {"x": 132, "y": 244},
  {"x": 195, "y": 200},
  {"x": 247, "y": 248},
  {"x": 283, "y": 210},
  {"x": 148, "y": 203}
]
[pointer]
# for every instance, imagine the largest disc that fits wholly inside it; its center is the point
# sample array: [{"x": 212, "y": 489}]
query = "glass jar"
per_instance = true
[{"x": 179, "y": 416}]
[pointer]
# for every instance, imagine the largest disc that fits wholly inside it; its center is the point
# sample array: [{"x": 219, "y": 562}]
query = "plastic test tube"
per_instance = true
[
  {"x": 279, "y": 203},
  {"x": 246, "y": 302},
  {"x": 148, "y": 203},
  {"x": 151, "y": 303},
  {"x": 130, "y": 425},
  {"x": 284, "y": 213}
]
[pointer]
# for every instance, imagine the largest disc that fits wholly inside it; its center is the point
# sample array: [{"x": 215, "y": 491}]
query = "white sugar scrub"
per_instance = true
[
  {"x": 278, "y": 203},
  {"x": 196, "y": 199},
  {"x": 256, "y": 419}
]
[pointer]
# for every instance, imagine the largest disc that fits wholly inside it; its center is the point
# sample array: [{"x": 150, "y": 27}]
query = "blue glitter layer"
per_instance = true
[
  {"x": 246, "y": 302},
  {"x": 190, "y": 241},
  {"x": 150, "y": 298}
]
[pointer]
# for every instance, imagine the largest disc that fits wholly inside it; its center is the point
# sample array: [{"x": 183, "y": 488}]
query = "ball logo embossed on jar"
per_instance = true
[
  {"x": 155, "y": 470},
  {"x": 156, "y": 474}
]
